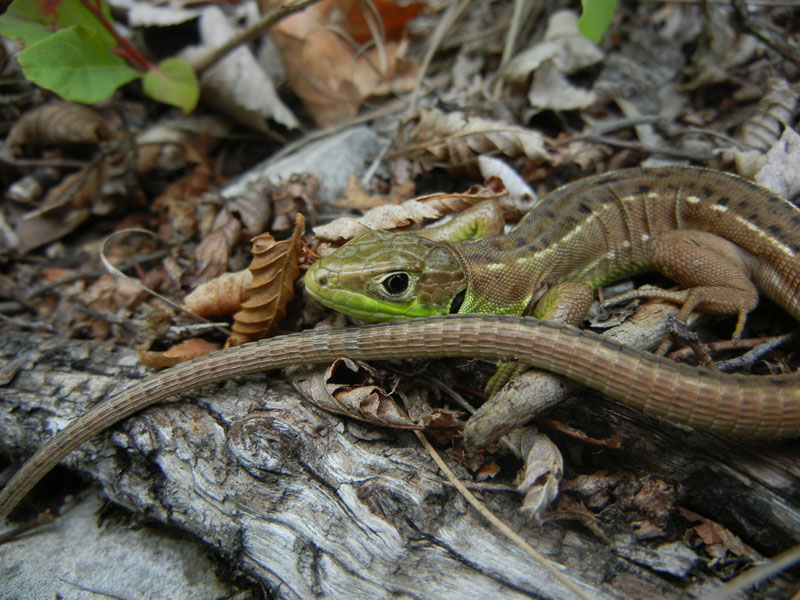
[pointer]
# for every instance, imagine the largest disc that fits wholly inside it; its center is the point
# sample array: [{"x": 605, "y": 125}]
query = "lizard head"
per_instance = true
[{"x": 380, "y": 276}]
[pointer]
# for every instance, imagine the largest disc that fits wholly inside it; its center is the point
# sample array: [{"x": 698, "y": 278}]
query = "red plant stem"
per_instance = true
[{"x": 127, "y": 50}]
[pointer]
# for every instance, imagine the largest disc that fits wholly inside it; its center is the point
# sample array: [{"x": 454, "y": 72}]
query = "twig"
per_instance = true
[
  {"x": 248, "y": 35},
  {"x": 548, "y": 565},
  {"x": 44, "y": 518},
  {"x": 778, "y": 563},
  {"x": 510, "y": 45},
  {"x": 26, "y": 325},
  {"x": 445, "y": 23}
]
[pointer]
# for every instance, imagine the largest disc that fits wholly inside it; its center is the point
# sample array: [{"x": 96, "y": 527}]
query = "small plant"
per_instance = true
[
  {"x": 72, "y": 49},
  {"x": 596, "y": 17}
]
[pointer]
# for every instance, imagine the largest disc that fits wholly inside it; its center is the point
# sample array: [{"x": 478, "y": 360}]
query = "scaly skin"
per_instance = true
[
  {"x": 744, "y": 405},
  {"x": 592, "y": 231},
  {"x": 628, "y": 209}
]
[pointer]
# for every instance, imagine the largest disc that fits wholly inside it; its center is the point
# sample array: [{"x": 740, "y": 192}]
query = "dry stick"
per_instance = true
[
  {"x": 509, "y": 47},
  {"x": 446, "y": 22},
  {"x": 43, "y": 518},
  {"x": 547, "y": 564},
  {"x": 248, "y": 35},
  {"x": 776, "y": 564}
]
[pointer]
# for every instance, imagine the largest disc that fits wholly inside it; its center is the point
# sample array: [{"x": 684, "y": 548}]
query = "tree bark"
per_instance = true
[{"x": 312, "y": 505}]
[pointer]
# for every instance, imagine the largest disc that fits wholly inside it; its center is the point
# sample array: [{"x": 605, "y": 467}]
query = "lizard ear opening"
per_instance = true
[{"x": 457, "y": 301}]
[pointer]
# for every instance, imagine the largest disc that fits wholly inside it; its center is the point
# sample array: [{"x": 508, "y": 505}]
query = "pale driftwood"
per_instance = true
[{"x": 313, "y": 505}]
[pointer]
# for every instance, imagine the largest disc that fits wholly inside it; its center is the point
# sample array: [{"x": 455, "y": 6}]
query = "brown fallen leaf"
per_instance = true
[
  {"x": 57, "y": 124},
  {"x": 275, "y": 269},
  {"x": 718, "y": 538},
  {"x": 186, "y": 350},
  {"x": 458, "y": 138},
  {"x": 65, "y": 207},
  {"x": 357, "y": 198},
  {"x": 222, "y": 295},
  {"x": 327, "y": 68},
  {"x": 298, "y": 194},
  {"x": 394, "y": 216},
  {"x": 347, "y": 388}
]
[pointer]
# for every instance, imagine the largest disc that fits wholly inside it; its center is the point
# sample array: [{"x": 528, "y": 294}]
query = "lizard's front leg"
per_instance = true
[{"x": 566, "y": 303}]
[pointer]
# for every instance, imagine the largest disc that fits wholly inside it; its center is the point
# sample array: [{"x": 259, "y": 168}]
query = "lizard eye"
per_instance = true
[{"x": 396, "y": 283}]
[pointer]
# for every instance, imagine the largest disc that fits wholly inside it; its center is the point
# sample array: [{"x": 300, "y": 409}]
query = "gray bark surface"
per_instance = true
[{"x": 313, "y": 505}]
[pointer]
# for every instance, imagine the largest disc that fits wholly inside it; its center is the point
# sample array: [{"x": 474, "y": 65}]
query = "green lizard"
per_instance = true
[
  {"x": 714, "y": 233},
  {"x": 717, "y": 235}
]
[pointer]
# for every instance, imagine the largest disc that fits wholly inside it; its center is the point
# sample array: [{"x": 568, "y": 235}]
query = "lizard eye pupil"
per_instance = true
[{"x": 396, "y": 283}]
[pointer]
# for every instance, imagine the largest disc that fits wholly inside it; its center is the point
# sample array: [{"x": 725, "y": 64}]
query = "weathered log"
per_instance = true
[{"x": 311, "y": 504}]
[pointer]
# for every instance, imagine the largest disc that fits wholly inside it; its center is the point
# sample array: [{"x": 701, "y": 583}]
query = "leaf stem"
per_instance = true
[{"x": 126, "y": 50}]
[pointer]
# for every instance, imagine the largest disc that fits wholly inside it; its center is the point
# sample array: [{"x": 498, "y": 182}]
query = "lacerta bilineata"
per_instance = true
[{"x": 590, "y": 231}]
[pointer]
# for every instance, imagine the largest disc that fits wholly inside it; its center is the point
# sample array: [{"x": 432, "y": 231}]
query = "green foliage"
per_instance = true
[
  {"x": 173, "y": 82},
  {"x": 76, "y": 64},
  {"x": 33, "y": 20},
  {"x": 72, "y": 50},
  {"x": 596, "y": 17}
]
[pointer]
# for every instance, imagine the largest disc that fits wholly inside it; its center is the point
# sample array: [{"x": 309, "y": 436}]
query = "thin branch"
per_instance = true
[{"x": 248, "y": 35}]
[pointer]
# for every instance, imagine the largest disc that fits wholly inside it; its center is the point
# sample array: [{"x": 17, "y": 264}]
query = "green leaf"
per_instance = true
[
  {"x": 33, "y": 20},
  {"x": 596, "y": 17},
  {"x": 76, "y": 64},
  {"x": 174, "y": 82}
]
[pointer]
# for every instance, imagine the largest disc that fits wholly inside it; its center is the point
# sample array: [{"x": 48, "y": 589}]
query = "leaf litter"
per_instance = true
[{"x": 569, "y": 108}]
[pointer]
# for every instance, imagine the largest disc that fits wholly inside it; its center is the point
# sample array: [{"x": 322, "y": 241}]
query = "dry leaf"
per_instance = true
[
  {"x": 595, "y": 488},
  {"x": 357, "y": 198},
  {"x": 180, "y": 198},
  {"x": 168, "y": 144},
  {"x": 244, "y": 214},
  {"x": 358, "y": 398},
  {"x": 222, "y": 295},
  {"x": 237, "y": 85},
  {"x": 771, "y": 115},
  {"x": 779, "y": 172},
  {"x": 299, "y": 194},
  {"x": 65, "y": 207},
  {"x": 656, "y": 499},
  {"x": 563, "y": 51},
  {"x": 715, "y": 534},
  {"x": 186, "y": 350},
  {"x": 330, "y": 75},
  {"x": 347, "y": 388},
  {"x": 416, "y": 211},
  {"x": 274, "y": 268},
  {"x": 458, "y": 138},
  {"x": 57, "y": 124},
  {"x": 393, "y": 15},
  {"x": 540, "y": 476}
]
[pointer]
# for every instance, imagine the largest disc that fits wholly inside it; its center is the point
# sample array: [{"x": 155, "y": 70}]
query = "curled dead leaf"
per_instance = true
[
  {"x": 541, "y": 475},
  {"x": 222, "y": 295},
  {"x": 57, "y": 124},
  {"x": 65, "y": 207},
  {"x": 186, "y": 350},
  {"x": 347, "y": 388}
]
